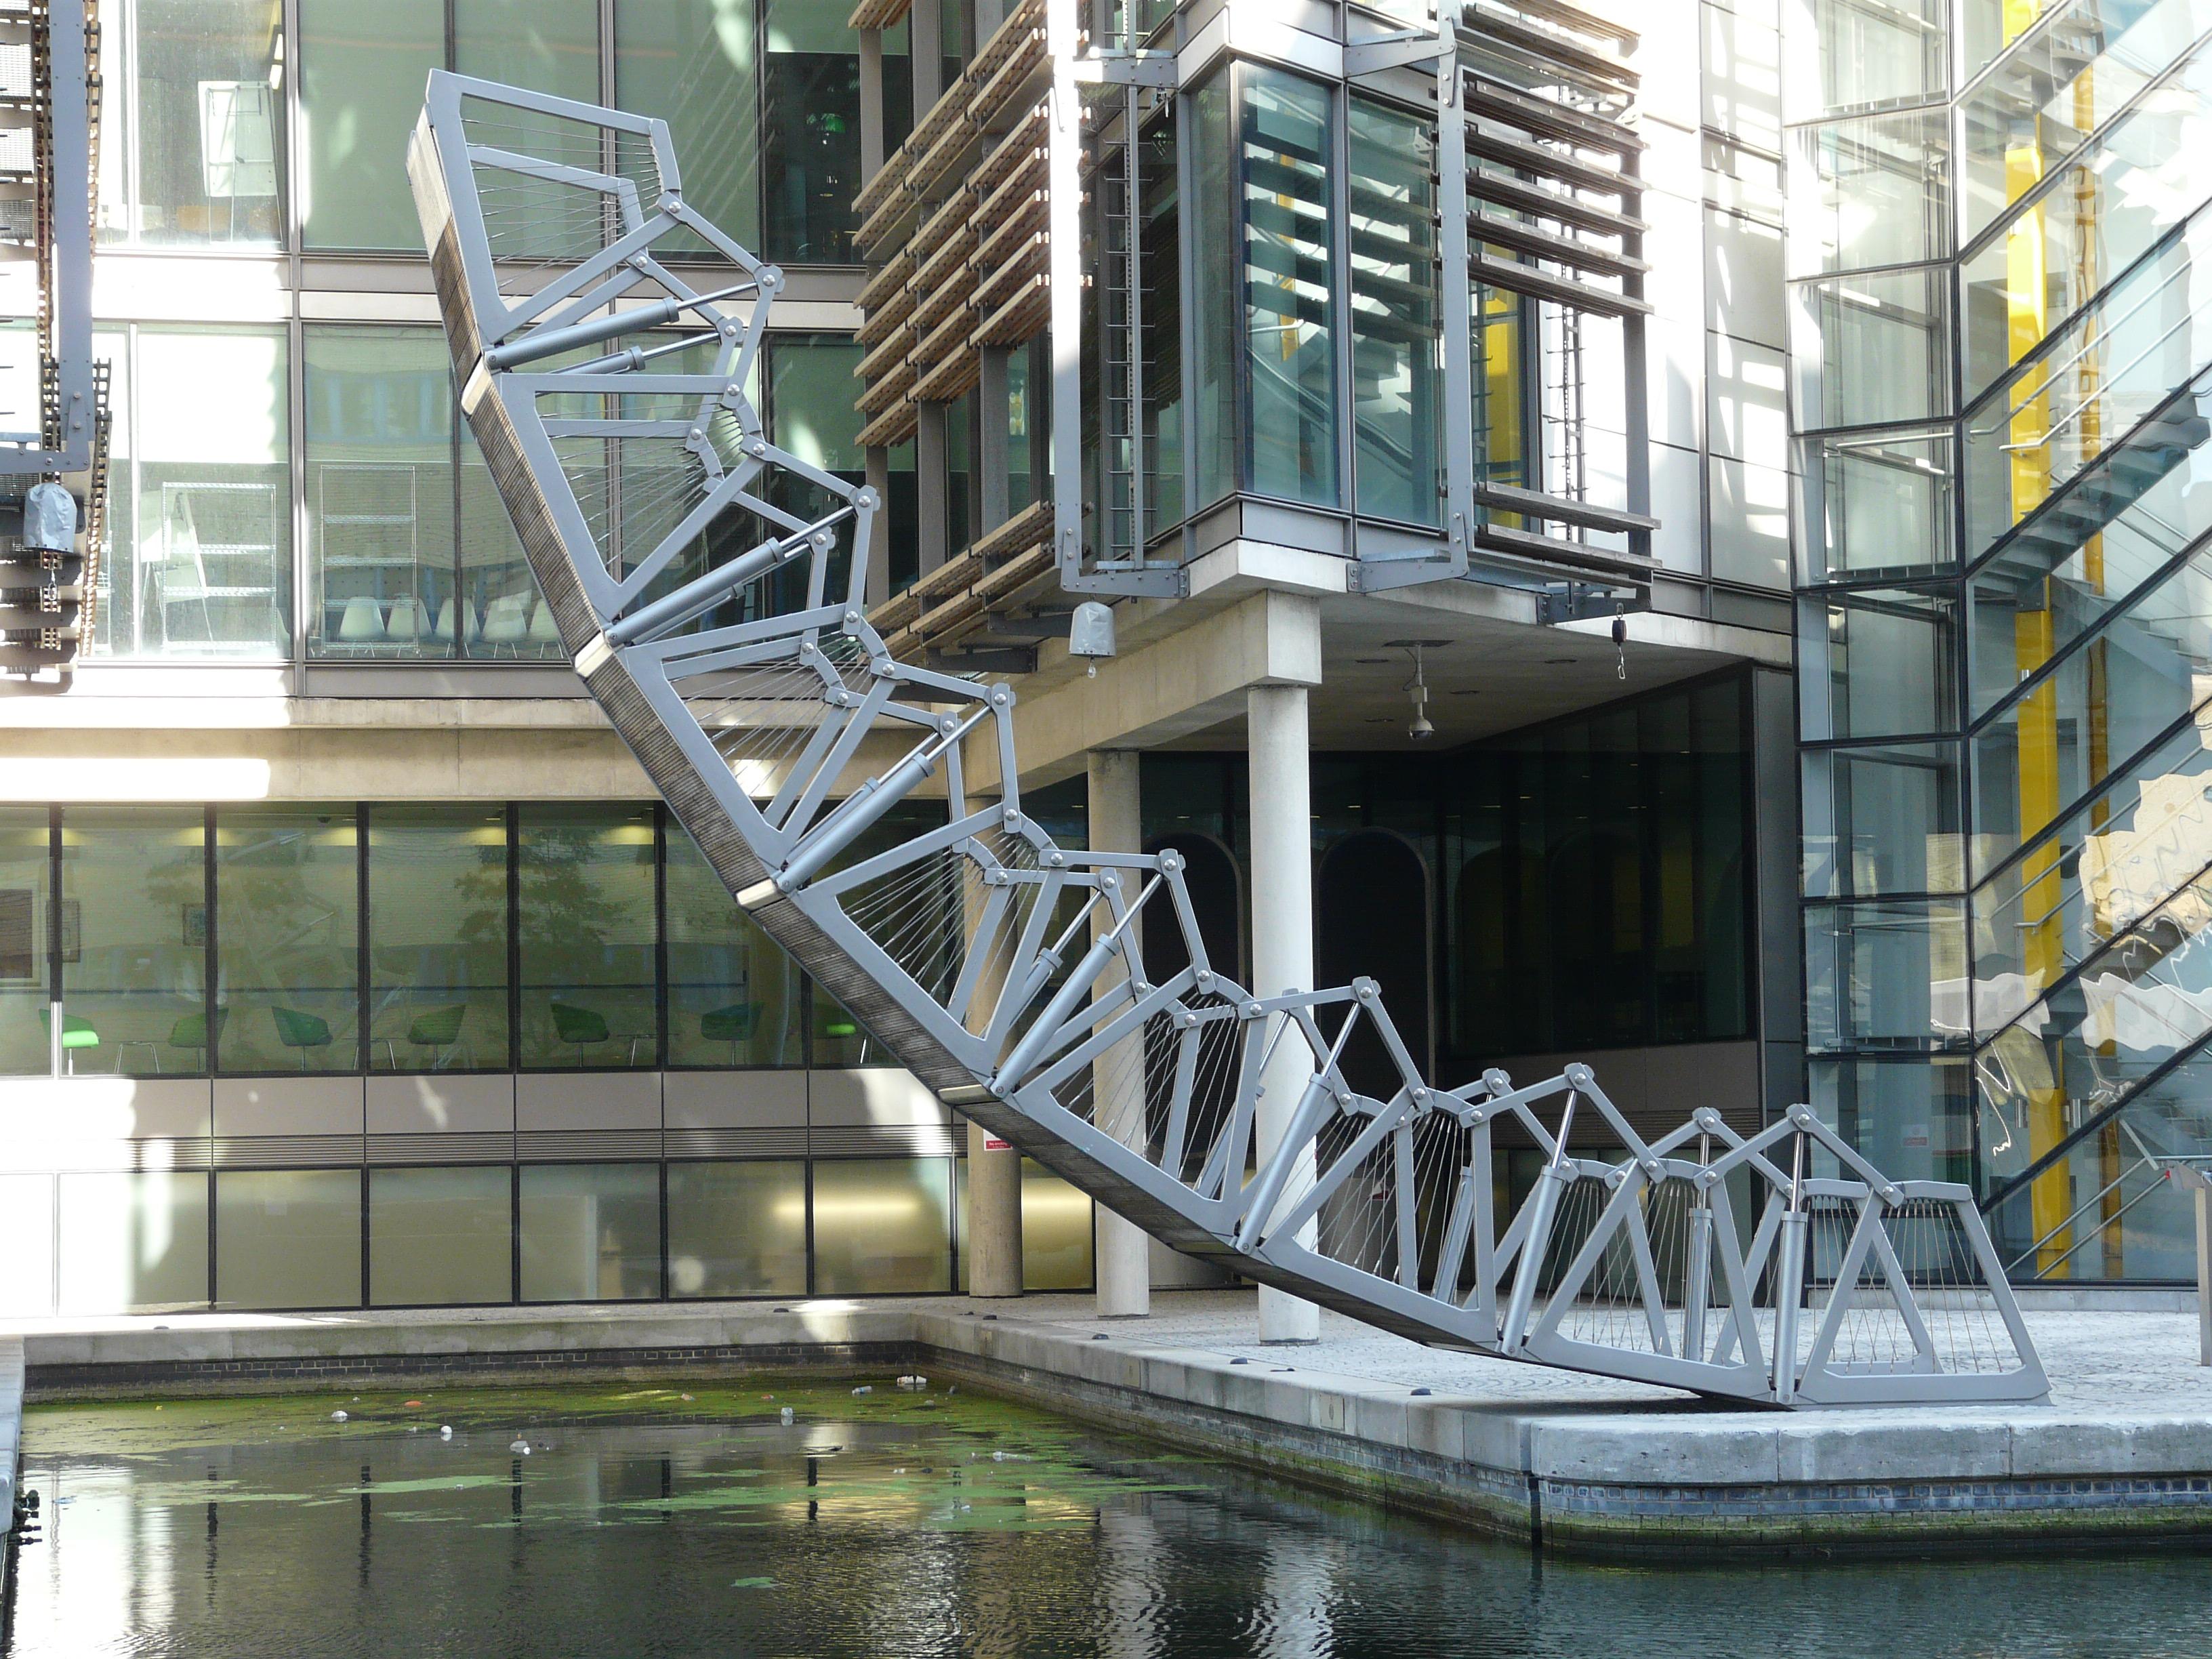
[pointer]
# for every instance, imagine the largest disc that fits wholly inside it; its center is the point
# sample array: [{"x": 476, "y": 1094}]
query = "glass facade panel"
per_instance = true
[
  {"x": 1891, "y": 973},
  {"x": 811, "y": 132},
  {"x": 1887, "y": 664},
  {"x": 135, "y": 878},
  {"x": 883, "y": 1225},
  {"x": 26, "y": 1238},
  {"x": 587, "y": 937},
  {"x": 197, "y": 88},
  {"x": 1056, "y": 1232},
  {"x": 441, "y": 1236},
  {"x": 1870, "y": 191},
  {"x": 26, "y": 950},
  {"x": 437, "y": 937},
  {"x": 547, "y": 45},
  {"x": 1883, "y": 819},
  {"x": 288, "y": 938},
  {"x": 737, "y": 1229},
  {"x": 381, "y": 576},
  {"x": 288, "y": 1238},
  {"x": 133, "y": 1243},
  {"x": 1885, "y": 504},
  {"x": 1881, "y": 341},
  {"x": 361, "y": 74},
  {"x": 1215, "y": 345},
  {"x": 696, "y": 64},
  {"x": 591, "y": 1232},
  {"x": 500, "y": 615},
  {"x": 1160, "y": 208},
  {"x": 1396, "y": 323},
  {"x": 1914, "y": 1117},
  {"x": 199, "y": 565},
  {"x": 1286, "y": 161},
  {"x": 1869, "y": 57},
  {"x": 733, "y": 996}
]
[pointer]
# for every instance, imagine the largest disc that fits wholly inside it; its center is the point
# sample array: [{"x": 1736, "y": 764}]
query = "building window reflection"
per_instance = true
[
  {"x": 287, "y": 934},
  {"x": 586, "y": 936}
]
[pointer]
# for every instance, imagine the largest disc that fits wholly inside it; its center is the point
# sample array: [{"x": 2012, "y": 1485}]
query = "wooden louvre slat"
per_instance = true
[
  {"x": 894, "y": 425},
  {"x": 1516, "y": 278},
  {"x": 1033, "y": 523},
  {"x": 876, "y": 13},
  {"x": 954, "y": 377},
  {"x": 1019, "y": 319},
  {"x": 1008, "y": 277},
  {"x": 884, "y": 322},
  {"x": 887, "y": 281},
  {"x": 1525, "y": 238}
]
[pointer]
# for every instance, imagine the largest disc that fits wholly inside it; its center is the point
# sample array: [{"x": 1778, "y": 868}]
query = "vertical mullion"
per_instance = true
[{"x": 661, "y": 993}]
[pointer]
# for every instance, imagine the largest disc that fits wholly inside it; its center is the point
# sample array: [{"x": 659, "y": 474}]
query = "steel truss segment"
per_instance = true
[{"x": 1007, "y": 971}]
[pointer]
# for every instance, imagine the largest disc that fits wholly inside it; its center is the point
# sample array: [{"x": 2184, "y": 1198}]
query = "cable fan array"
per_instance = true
[{"x": 709, "y": 584}]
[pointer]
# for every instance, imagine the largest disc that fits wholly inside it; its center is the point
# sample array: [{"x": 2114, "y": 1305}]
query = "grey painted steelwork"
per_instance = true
[{"x": 1006, "y": 971}]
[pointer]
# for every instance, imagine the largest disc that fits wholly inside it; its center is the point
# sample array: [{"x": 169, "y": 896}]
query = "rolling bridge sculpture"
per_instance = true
[{"x": 709, "y": 585}]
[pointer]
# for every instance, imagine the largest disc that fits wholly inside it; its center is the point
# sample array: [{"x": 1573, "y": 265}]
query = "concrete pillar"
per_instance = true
[
  {"x": 1117, "y": 1076},
  {"x": 994, "y": 1215},
  {"x": 1282, "y": 939}
]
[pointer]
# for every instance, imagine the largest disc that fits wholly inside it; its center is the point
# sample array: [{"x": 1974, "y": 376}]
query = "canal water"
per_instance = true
[{"x": 659, "y": 1521}]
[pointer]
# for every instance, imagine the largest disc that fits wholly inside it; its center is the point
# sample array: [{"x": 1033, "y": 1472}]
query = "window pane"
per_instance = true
[
  {"x": 439, "y": 1236},
  {"x": 1290, "y": 341},
  {"x": 1160, "y": 207},
  {"x": 361, "y": 73},
  {"x": 136, "y": 880},
  {"x": 737, "y": 1229},
  {"x": 1891, "y": 973},
  {"x": 547, "y": 45},
  {"x": 691, "y": 63},
  {"x": 587, "y": 936},
  {"x": 437, "y": 937},
  {"x": 26, "y": 1243},
  {"x": 1882, "y": 820},
  {"x": 133, "y": 1243},
  {"x": 204, "y": 560},
  {"x": 1213, "y": 303},
  {"x": 1891, "y": 664},
  {"x": 883, "y": 1224},
  {"x": 379, "y": 481},
  {"x": 288, "y": 1238},
  {"x": 732, "y": 994},
  {"x": 201, "y": 159},
  {"x": 811, "y": 132},
  {"x": 1885, "y": 503},
  {"x": 288, "y": 940},
  {"x": 26, "y": 901},
  {"x": 1872, "y": 191},
  {"x": 591, "y": 1232},
  {"x": 1396, "y": 328},
  {"x": 1879, "y": 347},
  {"x": 1055, "y": 1232}
]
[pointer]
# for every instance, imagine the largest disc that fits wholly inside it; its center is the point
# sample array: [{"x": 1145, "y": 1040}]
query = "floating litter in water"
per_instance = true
[
  {"x": 787, "y": 1413},
  {"x": 444, "y": 1431},
  {"x": 864, "y": 1389},
  {"x": 414, "y": 1428},
  {"x": 338, "y": 1417},
  {"x": 414, "y": 1402},
  {"x": 520, "y": 1448},
  {"x": 914, "y": 1385},
  {"x": 684, "y": 1396}
]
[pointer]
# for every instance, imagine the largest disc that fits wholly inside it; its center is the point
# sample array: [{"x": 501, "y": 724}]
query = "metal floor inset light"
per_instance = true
[{"x": 709, "y": 586}]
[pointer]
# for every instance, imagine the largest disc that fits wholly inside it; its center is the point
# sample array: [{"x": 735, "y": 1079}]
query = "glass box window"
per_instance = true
[
  {"x": 737, "y": 1229},
  {"x": 499, "y": 616},
  {"x": 693, "y": 63},
  {"x": 361, "y": 74},
  {"x": 591, "y": 1232},
  {"x": 437, "y": 937},
  {"x": 1396, "y": 328},
  {"x": 438, "y": 1237},
  {"x": 587, "y": 936},
  {"x": 883, "y": 1225},
  {"x": 196, "y": 90},
  {"x": 547, "y": 45},
  {"x": 287, "y": 934},
  {"x": 199, "y": 565},
  {"x": 733, "y": 997},
  {"x": 26, "y": 911},
  {"x": 288, "y": 1238},
  {"x": 134, "y": 972}
]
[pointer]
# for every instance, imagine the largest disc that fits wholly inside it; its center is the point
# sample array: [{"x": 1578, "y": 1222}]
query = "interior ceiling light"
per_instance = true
[{"x": 1420, "y": 729}]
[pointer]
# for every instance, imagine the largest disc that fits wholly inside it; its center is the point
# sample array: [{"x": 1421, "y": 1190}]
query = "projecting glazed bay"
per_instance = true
[{"x": 692, "y": 1520}]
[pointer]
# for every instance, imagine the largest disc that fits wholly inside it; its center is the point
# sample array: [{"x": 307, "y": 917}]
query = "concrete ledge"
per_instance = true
[{"x": 1567, "y": 1464}]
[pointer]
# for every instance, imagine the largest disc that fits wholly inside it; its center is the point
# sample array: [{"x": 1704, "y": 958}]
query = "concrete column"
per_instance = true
[
  {"x": 1282, "y": 939},
  {"x": 994, "y": 1215},
  {"x": 930, "y": 450},
  {"x": 1117, "y": 1076},
  {"x": 878, "y": 552},
  {"x": 871, "y": 104},
  {"x": 995, "y": 1168}
]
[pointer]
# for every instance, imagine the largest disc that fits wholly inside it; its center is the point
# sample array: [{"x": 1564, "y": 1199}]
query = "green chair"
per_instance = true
[
  {"x": 733, "y": 1025},
  {"x": 191, "y": 1032},
  {"x": 439, "y": 1030},
  {"x": 580, "y": 1028},
  {"x": 76, "y": 1034},
  {"x": 303, "y": 1031}
]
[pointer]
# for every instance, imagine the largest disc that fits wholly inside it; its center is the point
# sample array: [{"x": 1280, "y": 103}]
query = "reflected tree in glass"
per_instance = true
[
  {"x": 437, "y": 937},
  {"x": 587, "y": 927},
  {"x": 287, "y": 935},
  {"x": 135, "y": 878}
]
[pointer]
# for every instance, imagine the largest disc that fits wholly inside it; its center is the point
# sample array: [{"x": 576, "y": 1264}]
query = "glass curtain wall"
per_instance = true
[
  {"x": 134, "y": 949},
  {"x": 27, "y": 916},
  {"x": 437, "y": 938},
  {"x": 2002, "y": 675},
  {"x": 288, "y": 938},
  {"x": 588, "y": 929}
]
